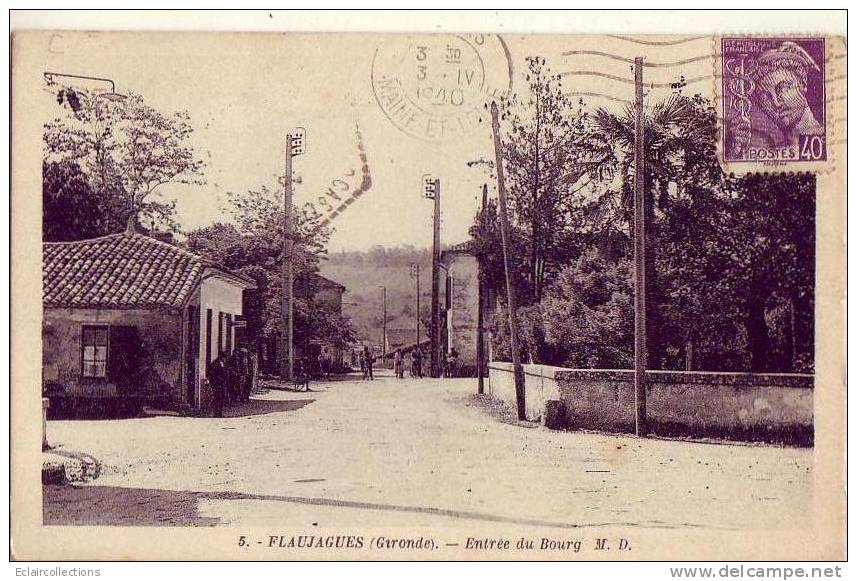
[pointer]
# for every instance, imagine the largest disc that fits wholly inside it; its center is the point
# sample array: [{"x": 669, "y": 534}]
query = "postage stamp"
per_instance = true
[{"x": 774, "y": 101}]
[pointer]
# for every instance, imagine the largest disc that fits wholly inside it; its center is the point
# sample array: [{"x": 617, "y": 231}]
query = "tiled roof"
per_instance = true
[
  {"x": 120, "y": 270},
  {"x": 461, "y": 247},
  {"x": 326, "y": 281}
]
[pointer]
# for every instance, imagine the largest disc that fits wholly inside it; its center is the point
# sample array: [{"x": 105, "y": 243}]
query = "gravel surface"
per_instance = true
[{"x": 405, "y": 452}]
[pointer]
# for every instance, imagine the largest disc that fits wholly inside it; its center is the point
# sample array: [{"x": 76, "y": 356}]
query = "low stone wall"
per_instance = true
[{"x": 776, "y": 407}]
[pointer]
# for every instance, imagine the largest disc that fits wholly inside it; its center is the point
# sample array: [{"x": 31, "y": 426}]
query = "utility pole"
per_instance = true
[
  {"x": 432, "y": 191},
  {"x": 415, "y": 271},
  {"x": 287, "y": 330},
  {"x": 384, "y": 325},
  {"x": 507, "y": 267},
  {"x": 480, "y": 313},
  {"x": 640, "y": 351},
  {"x": 295, "y": 145}
]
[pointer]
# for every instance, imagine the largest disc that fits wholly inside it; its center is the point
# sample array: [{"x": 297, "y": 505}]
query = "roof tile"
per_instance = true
[{"x": 121, "y": 270}]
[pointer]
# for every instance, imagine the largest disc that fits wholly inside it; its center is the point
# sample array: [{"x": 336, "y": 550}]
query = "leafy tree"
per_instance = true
[
  {"x": 771, "y": 245},
  {"x": 544, "y": 144},
  {"x": 70, "y": 209},
  {"x": 589, "y": 313},
  {"x": 128, "y": 150},
  {"x": 730, "y": 260},
  {"x": 253, "y": 245},
  {"x": 680, "y": 165}
]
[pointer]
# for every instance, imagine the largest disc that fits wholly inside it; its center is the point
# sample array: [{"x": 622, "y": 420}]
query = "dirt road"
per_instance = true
[{"x": 412, "y": 453}]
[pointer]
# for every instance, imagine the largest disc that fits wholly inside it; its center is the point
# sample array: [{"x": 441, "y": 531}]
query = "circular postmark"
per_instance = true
[{"x": 434, "y": 87}]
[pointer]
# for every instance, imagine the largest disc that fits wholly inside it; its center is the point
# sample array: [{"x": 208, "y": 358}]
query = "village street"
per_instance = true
[{"x": 412, "y": 453}]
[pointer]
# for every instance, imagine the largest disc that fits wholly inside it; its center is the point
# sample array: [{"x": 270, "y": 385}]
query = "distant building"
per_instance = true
[
  {"x": 130, "y": 318},
  {"x": 402, "y": 334},
  {"x": 460, "y": 303},
  {"x": 325, "y": 293}
]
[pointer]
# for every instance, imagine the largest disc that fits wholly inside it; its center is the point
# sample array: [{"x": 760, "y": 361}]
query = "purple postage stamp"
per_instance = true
[{"x": 774, "y": 99}]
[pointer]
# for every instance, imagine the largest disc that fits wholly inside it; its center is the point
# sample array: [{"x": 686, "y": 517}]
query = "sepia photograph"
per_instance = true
[{"x": 401, "y": 294}]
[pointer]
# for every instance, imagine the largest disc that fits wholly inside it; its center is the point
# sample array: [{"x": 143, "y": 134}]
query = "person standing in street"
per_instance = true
[
  {"x": 452, "y": 363},
  {"x": 417, "y": 363},
  {"x": 398, "y": 364},
  {"x": 217, "y": 377},
  {"x": 369, "y": 360}
]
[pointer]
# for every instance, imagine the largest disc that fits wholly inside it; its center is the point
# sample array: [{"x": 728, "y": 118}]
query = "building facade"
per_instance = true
[
  {"x": 460, "y": 299},
  {"x": 131, "y": 319}
]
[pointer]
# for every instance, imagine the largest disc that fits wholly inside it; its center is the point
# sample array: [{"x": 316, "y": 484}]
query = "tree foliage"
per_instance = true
[
  {"x": 254, "y": 246},
  {"x": 730, "y": 261},
  {"x": 128, "y": 151}
]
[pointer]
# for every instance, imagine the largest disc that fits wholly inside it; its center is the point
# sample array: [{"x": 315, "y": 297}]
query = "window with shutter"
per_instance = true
[
  {"x": 125, "y": 354},
  {"x": 219, "y": 333}
]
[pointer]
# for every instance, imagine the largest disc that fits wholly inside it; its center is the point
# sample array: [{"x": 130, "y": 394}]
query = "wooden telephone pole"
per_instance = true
[
  {"x": 435, "y": 285},
  {"x": 415, "y": 272},
  {"x": 507, "y": 264},
  {"x": 287, "y": 330},
  {"x": 640, "y": 350},
  {"x": 384, "y": 326},
  {"x": 295, "y": 146},
  {"x": 480, "y": 313}
]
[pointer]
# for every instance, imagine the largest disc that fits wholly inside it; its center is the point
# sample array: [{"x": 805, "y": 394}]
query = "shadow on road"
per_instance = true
[
  {"x": 259, "y": 407},
  {"x": 114, "y": 506}
]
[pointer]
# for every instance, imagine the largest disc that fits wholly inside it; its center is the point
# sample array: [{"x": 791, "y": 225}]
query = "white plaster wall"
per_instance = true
[{"x": 221, "y": 296}]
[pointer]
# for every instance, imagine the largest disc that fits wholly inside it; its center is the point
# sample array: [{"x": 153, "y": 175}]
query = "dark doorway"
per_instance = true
[{"x": 192, "y": 353}]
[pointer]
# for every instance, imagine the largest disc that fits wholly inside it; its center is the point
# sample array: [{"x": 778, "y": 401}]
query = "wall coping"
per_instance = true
[{"x": 797, "y": 380}]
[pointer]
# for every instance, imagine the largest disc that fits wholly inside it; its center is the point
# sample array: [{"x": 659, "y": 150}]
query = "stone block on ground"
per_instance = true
[{"x": 554, "y": 417}]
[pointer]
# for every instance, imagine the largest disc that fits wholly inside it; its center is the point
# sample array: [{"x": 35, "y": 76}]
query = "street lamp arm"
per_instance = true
[{"x": 49, "y": 77}]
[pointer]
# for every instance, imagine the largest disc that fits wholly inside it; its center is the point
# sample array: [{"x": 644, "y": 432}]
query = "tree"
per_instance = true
[
  {"x": 71, "y": 210},
  {"x": 680, "y": 164},
  {"x": 589, "y": 313},
  {"x": 771, "y": 246},
  {"x": 253, "y": 246},
  {"x": 128, "y": 150},
  {"x": 543, "y": 147}
]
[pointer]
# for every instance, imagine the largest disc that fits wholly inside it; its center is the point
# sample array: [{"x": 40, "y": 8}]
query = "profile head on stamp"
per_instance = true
[{"x": 782, "y": 77}]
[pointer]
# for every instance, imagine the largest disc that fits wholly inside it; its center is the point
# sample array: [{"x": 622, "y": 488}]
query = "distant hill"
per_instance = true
[{"x": 364, "y": 272}]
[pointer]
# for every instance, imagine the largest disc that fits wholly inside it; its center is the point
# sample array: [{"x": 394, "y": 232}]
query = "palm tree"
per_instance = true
[{"x": 680, "y": 156}]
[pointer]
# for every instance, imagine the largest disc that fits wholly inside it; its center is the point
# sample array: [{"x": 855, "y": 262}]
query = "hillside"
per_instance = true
[{"x": 364, "y": 273}]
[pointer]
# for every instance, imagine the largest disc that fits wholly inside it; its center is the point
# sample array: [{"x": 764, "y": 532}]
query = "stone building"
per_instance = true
[
  {"x": 327, "y": 294},
  {"x": 460, "y": 303},
  {"x": 128, "y": 319}
]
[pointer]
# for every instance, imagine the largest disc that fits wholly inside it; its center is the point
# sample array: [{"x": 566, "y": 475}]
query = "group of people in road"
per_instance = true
[
  {"x": 449, "y": 363},
  {"x": 231, "y": 377},
  {"x": 416, "y": 366},
  {"x": 307, "y": 368}
]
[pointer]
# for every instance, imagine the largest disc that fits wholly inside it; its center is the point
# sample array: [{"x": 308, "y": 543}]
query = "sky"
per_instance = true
[{"x": 245, "y": 91}]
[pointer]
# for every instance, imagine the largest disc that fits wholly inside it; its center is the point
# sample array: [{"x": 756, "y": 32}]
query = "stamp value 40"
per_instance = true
[{"x": 774, "y": 102}]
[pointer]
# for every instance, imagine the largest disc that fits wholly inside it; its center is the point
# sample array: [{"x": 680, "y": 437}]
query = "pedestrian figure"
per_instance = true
[
  {"x": 232, "y": 385},
  {"x": 368, "y": 361},
  {"x": 417, "y": 363},
  {"x": 452, "y": 363},
  {"x": 217, "y": 377},
  {"x": 398, "y": 364},
  {"x": 322, "y": 368},
  {"x": 362, "y": 361},
  {"x": 247, "y": 369},
  {"x": 301, "y": 375}
]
